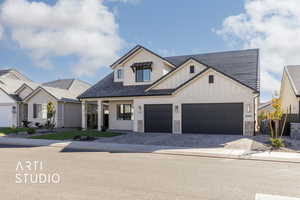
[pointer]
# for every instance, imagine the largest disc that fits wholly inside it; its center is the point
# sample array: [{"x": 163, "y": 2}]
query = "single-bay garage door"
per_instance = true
[
  {"x": 158, "y": 118},
  {"x": 213, "y": 118},
  {"x": 5, "y": 116}
]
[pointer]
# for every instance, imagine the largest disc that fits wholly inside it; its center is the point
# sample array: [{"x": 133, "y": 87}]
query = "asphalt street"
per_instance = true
[{"x": 115, "y": 176}]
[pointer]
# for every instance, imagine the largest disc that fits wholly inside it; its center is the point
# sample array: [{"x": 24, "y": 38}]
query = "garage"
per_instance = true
[
  {"x": 213, "y": 118},
  {"x": 158, "y": 118},
  {"x": 5, "y": 116}
]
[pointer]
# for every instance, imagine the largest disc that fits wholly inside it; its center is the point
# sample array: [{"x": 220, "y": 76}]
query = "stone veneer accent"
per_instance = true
[
  {"x": 140, "y": 126},
  {"x": 295, "y": 130},
  {"x": 176, "y": 126},
  {"x": 249, "y": 128}
]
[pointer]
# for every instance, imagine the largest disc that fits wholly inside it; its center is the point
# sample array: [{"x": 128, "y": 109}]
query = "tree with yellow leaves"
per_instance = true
[
  {"x": 276, "y": 119},
  {"x": 50, "y": 115}
]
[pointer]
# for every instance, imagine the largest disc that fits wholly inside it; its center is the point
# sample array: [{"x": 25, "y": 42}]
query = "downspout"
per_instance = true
[{"x": 255, "y": 113}]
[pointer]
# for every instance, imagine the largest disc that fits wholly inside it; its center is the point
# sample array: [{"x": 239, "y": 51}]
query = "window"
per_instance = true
[
  {"x": 37, "y": 108},
  {"x": 142, "y": 75},
  {"x": 124, "y": 112},
  {"x": 120, "y": 74},
  {"x": 211, "y": 79},
  {"x": 192, "y": 69}
]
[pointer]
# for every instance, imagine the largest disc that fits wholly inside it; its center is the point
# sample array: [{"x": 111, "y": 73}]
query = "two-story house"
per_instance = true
[{"x": 213, "y": 93}]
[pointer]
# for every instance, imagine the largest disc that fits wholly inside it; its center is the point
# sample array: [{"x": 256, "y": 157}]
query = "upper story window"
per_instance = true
[
  {"x": 192, "y": 69},
  {"x": 211, "y": 79},
  {"x": 142, "y": 71},
  {"x": 119, "y": 74},
  {"x": 142, "y": 75}
]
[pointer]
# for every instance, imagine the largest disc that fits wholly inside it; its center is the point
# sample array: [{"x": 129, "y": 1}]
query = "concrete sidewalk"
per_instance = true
[{"x": 133, "y": 148}]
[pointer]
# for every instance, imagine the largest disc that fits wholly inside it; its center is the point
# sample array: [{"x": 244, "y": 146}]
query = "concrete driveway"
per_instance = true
[{"x": 190, "y": 140}]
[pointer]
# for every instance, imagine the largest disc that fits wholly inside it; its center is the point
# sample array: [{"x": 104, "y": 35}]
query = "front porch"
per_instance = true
[{"x": 112, "y": 114}]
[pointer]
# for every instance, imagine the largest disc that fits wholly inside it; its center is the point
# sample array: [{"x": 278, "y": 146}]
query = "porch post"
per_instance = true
[
  {"x": 100, "y": 114},
  {"x": 83, "y": 115}
]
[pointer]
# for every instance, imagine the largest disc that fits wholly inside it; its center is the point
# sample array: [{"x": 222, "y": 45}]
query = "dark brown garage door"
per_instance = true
[
  {"x": 158, "y": 118},
  {"x": 221, "y": 118}
]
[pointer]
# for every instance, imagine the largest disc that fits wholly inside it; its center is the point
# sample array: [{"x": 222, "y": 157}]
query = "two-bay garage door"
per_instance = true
[
  {"x": 5, "y": 116},
  {"x": 202, "y": 118},
  {"x": 213, "y": 118}
]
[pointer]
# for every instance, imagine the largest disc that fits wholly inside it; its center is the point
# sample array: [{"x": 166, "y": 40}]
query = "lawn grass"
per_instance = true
[
  {"x": 65, "y": 135},
  {"x": 5, "y": 131}
]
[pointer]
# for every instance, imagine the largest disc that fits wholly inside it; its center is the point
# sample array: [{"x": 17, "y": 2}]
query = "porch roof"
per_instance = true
[{"x": 108, "y": 88}]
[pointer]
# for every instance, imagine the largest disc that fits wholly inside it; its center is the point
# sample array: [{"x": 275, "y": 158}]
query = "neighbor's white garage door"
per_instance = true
[{"x": 5, "y": 116}]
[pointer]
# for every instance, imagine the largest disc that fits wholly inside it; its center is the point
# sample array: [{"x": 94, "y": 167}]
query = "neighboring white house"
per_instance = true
[
  {"x": 63, "y": 94},
  {"x": 24, "y": 100},
  {"x": 214, "y": 93},
  {"x": 290, "y": 92},
  {"x": 11, "y": 108}
]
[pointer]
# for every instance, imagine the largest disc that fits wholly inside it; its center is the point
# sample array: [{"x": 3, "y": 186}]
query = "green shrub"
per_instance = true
[
  {"x": 31, "y": 131},
  {"x": 277, "y": 143}
]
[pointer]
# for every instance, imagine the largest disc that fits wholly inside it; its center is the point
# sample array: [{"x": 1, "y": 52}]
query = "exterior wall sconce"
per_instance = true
[
  {"x": 176, "y": 108},
  {"x": 140, "y": 109},
  {"x": 14, "y": 110},
  {"x": 249, "y": 108}
]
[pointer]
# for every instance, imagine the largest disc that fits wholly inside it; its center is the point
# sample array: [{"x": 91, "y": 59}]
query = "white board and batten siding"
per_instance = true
[{"x": 7, "y": 117}]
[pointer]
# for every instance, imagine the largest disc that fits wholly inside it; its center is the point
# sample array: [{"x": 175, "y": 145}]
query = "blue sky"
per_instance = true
[{"x": 168, "y": 27}]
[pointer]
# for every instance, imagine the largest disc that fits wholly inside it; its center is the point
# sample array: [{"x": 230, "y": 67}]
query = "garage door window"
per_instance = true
[{"x": 124, "y": 112}]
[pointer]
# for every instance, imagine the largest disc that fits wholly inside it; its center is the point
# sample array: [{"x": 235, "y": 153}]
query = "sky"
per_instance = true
[{"x": 55, "y": 39}]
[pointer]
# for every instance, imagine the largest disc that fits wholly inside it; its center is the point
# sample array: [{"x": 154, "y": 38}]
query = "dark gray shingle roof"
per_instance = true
[
  {"x": 294, "y": 75},
  {"x": 241, "y": 65},
  {"x": 108, "y": 88}
]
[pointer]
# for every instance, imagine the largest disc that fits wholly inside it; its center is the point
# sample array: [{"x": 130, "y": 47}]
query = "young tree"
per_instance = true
[
  {"x": 50, "y": 116},
  {"x": 277, "y": 122}
]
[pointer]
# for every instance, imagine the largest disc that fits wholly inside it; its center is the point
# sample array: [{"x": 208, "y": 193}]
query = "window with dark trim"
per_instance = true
[
  {"x": 142, "y": 74},
  {"x": 124, "y": 112},
  {"x": 119, "y": 74},
  {"x": 192, "y": 69},
  {"x": 211, "y": 79},
  {"x": 37, "y": 108}
]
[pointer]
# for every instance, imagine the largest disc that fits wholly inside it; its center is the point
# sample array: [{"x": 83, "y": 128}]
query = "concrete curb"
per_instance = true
[{"x": 169, "y": 150}]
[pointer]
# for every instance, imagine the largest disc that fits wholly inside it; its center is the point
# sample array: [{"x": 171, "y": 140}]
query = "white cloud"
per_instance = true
[
  {"x": 274, "y": 27},
  {"x": 82, "y": 28}
]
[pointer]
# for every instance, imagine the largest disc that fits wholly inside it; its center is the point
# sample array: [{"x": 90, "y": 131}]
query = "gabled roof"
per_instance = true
[
  {"x": 12, "y": 96},
  {"x": 293, "y": 72},
  {"x": 135, "y": 49},
  {"x": 30, "y": 85},
  {"x": 242, "y": 65},
  {"x": 61, "y": 83},
  {"x": 172, "y": 72},
  {"x": 20, "y": 76},
  {"x": 58, "y": 94},
  {"x": 11, "y": 85}
]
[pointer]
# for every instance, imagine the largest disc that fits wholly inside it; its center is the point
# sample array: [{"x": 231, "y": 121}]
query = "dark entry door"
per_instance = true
[
  {"x": 213, "y": 118},
  {"x": 158, "y": 118}
]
